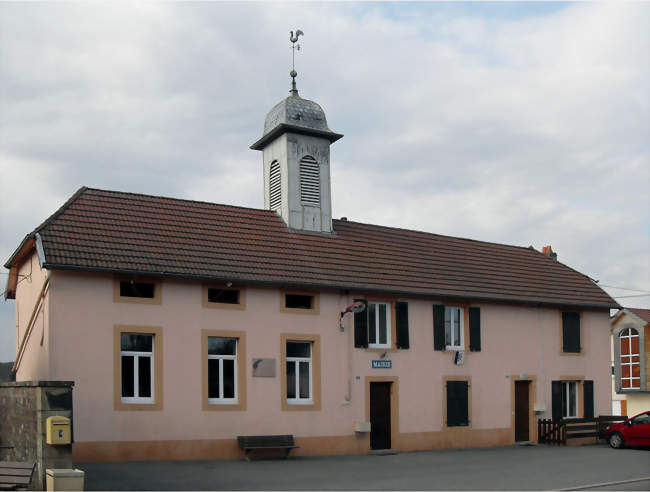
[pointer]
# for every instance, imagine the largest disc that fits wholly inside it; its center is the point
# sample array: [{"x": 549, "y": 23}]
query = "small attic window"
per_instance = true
[
  {"x": 297, "y": 301},
  {"x": 300, "y": 302},
  {"x": 141, "y": 290},
  {"x": 223, "y": 296}
]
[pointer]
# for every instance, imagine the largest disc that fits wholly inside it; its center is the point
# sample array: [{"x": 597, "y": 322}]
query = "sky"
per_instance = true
[{"x": 518, "y": 123}]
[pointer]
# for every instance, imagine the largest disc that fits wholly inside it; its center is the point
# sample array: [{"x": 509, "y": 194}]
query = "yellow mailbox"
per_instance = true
[{"x": 58, "y": 430}]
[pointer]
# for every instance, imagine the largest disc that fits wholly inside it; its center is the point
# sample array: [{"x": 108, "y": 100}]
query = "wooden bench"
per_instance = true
[
  {"x": 14, "y": 474},
  {"x": 249, "y": 443}
]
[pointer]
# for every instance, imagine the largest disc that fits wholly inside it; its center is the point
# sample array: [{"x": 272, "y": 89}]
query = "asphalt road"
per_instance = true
[{"x": 505, "y": 468}]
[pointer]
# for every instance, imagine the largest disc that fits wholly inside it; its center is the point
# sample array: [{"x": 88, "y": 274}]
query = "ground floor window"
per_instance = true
[
  {"x": 137, "y": 367},
  {"x": 299, "y": 372},
  {"x": 222, "y": 370},
  {"x": 136, "y": 357},
  {"x": 569, "y": 399}
]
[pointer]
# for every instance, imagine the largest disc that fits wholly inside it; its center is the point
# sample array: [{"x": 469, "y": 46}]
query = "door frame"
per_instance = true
[
  {"x": 532, "y": 391},
  {"x": 394, "y": 413}
]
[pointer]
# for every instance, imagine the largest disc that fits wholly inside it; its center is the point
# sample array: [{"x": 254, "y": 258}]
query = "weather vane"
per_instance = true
[{"x": 294, "y": 47}]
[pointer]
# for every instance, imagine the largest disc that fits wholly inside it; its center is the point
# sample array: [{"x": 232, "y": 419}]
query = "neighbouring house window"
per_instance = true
[
  {"x": 379, "y": 329},
  {"x": 222, "y": 370},
  {"x": 571, "y": 332},
  {"x": 454, "y": 329},
  {"x": 569, "y": 399},
  {"x": 457, "y": 406},
  {"x": 223, "y": 296},
  {"x": 142, "y": 290},
  {"x": 275, "y": 186},
  {"x": 137, "y": 364},
  {"x": 630, "y": 359},
  {"x": 299, "y": 372},
  {"x": 309, "y": 181}
]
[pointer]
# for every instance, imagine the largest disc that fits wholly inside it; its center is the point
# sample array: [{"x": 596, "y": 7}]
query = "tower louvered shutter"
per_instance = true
[
  {"x": 275, "y": 186},
  {"x": 309, "y": 181}
]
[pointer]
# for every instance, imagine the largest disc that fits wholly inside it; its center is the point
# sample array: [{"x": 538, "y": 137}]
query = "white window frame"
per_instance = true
[
  {"x": 221, "y": 400},
  {"x": 389, "y": 330},
  {"x": 632, "y": 379},
  {"x": 136, "y": 371},
  {"x": 566, "y": 397},
  {"x": 461, "y": 324},
  {"x": 296, "y": 360}
]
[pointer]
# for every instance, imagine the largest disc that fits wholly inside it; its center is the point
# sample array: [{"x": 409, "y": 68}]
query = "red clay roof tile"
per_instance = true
[{"x": 114, "y": 231}]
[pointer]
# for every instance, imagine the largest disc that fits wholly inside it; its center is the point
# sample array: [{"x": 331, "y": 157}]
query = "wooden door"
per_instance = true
[
  {"x": 380, "y": 415},
  {"x": 522, "y": 411}
]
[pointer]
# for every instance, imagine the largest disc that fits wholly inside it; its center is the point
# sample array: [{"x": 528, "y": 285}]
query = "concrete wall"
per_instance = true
[
  {"x": 24, "y": 408},
  {"x": 517, "y": 342}
]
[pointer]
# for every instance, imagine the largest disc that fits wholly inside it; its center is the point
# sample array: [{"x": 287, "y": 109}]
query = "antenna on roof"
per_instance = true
[{"x": 294, "y": 47}]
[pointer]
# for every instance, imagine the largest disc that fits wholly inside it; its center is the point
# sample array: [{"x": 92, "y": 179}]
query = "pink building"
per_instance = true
[{"x": 185, "y": 324}]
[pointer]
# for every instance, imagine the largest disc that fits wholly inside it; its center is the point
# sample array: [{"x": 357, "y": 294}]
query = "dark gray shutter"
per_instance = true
[
  {"x": 588, "y": 387},
  {"x": 361, "y": 326},
  {"x": 571, "y": 332},
  {"x": 475, "y": 329},
  {"x": 438, "y": 327},
  {"x": 556, "y": 399},
  {"x": 402, "y": 321},
  {"x": 457, "y": 404}
]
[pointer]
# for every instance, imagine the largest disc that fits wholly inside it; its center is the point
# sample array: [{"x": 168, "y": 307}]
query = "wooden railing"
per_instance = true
[{"x": 558, "y": 431}]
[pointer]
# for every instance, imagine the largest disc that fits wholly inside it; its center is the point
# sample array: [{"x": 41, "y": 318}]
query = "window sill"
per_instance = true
[
  {"x": 294, "y": 405},
  {"x": 455, "y": 349},
  {"x": 138, "y": 401}
]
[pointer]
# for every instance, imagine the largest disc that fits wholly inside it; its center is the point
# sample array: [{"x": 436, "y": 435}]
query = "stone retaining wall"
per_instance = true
[{"x": 24, "y": 407}]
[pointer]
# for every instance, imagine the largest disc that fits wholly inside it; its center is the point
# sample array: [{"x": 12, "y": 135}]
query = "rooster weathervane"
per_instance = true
[{"x": 294, "y": 39}]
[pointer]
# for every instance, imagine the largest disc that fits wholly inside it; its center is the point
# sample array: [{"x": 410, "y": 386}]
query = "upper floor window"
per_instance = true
[
  {"x": 454, "y": 328},
  {"x": 222, "y": 370},
  {"x": 571, "y": 332},
  {"x": 379, "y": 329},
  {"x": 275, "y": 186},
  {"x": 630, "y": 359},
  {"x": 137, "y": 367},
  {"x": 309, "y": 181},
  {"x": 299, "y": 372}
]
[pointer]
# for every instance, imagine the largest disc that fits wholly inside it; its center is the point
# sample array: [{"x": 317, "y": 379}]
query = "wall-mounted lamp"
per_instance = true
[
  {"x": 228, "y": 284},
  {"x": 355, "y": 307}
]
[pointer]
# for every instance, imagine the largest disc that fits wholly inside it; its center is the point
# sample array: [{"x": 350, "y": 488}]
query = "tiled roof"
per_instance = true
[
  {"x": 644, "y": 314},
  {"x": 124, "y": 232}
]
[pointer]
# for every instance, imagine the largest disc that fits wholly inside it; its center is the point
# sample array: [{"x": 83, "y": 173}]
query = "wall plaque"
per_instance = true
[
  {"x": 263, "y": 368},
  {"x": 382, "y": 364}
]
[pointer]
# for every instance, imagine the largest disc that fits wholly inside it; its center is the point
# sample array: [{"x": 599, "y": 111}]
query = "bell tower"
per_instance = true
[{"x": 295, "y": 149}]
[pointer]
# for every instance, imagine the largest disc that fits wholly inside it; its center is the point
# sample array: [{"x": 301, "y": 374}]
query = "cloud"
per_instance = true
[{"x": 524, "y": 127}]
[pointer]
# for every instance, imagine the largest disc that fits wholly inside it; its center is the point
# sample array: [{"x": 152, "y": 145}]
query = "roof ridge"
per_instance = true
[
  {"x": 393, "y": 228},
  {"x": 185, "y": 200}
]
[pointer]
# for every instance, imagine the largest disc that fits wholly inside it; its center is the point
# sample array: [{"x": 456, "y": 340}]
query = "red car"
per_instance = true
[{"x": 634, "y": 431}]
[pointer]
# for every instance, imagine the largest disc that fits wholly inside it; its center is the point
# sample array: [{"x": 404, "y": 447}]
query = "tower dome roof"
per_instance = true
[
  {"x": 294, "y": 110},
  {"x": 297, "y": 115}
]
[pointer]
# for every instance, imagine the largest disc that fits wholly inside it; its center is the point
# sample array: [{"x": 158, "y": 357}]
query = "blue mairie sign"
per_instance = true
[{"x": 382, "y": 364}]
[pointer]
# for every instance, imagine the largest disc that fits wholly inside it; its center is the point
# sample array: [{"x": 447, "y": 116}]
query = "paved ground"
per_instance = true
[{"x": 506, "y": 468}]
